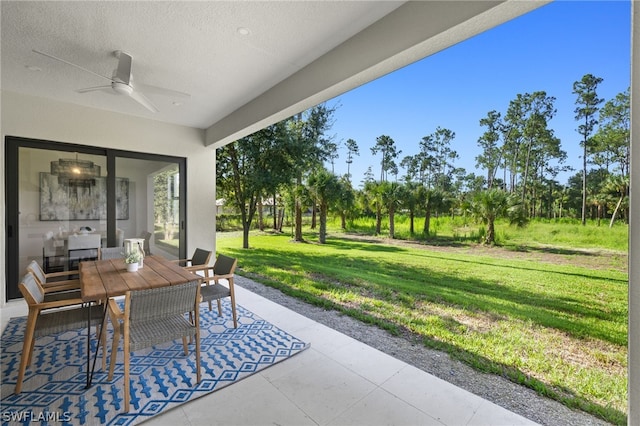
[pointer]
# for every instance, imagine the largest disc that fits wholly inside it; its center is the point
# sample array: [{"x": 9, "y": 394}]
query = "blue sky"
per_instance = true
[{"x": 548, "y": 49}]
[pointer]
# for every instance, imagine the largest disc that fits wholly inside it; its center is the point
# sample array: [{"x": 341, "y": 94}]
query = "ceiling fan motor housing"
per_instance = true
[{"x": 121, "y": 88}]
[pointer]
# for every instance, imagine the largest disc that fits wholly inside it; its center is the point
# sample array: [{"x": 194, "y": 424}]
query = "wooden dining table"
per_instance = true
[{"x": 104, "y": 279}]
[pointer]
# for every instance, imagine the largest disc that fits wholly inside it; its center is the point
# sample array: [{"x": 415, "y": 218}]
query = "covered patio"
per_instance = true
[
  {"x": 247, "y": 65},
  {"x": 337, "y": 381}
]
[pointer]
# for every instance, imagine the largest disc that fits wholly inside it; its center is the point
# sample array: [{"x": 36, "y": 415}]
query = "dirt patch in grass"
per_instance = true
[{"x": 587, "y": 258}]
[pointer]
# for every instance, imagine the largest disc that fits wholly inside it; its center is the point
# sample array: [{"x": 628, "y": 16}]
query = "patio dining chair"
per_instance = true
[
  {"x": 201, "y": 257},
  {"x": 223, "y": 269},
  {"x": 152, "y": 317},
  {"x": 45, "y": 319},
  {"x": 54, "y": 282}
]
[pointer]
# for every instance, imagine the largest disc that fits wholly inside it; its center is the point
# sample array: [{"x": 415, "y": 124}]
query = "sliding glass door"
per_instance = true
[{"x": 65, "y": 201}]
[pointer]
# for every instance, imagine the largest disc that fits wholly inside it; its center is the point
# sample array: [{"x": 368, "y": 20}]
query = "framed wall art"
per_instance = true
[{"x": 83, "y": 199}]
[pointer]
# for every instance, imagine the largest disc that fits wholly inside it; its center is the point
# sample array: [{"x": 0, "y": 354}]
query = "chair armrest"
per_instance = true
[
  {"x": 228, "y": 277},
  {"x": 60, "y": 303},
  {"x": 223, "y": 277},
  {"x": 61, "y": 286},
  {"x": 61, "y": 273},
  {"x": 114, "y": 312},
  {"x": 196, "y": 268}
]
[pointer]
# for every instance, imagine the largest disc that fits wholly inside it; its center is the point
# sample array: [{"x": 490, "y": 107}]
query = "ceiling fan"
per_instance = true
[{"x": 122, "y": 81}]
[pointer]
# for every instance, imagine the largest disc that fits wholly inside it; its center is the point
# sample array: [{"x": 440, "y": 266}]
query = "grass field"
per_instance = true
[{"x": 558, "y": 328}]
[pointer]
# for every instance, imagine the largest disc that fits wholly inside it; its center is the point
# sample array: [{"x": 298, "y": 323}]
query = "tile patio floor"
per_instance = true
[{"x": 337, "y": 381}]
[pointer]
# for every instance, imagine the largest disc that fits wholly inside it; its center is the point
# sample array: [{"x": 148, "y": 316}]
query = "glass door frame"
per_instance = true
[{"x": 12, "y": 195}]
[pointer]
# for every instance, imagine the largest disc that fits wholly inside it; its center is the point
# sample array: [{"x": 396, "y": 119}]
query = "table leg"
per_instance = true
[
  {"x": 95, "y": 357},
  {"x": 88, "y": 343}
]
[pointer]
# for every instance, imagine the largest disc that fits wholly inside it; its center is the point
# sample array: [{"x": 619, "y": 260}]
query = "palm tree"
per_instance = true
[
  {"x": 391, "y": 193},
  {"x": 561, "y": 197},
  {"x": 433, "y": 200},
  {"x": 324, "y": 187},
  {"x": 599, "y": 201},
  {"x": 373, "y": 194},
  {"x": 618, "y": 186},
  {"x": 488, "y": 206},
  {"x": 412, "y": 198},
  {"x": 345, "y": 203}
]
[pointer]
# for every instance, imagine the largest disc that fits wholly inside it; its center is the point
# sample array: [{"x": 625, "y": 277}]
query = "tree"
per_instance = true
[
  {"x": 254, "y": 165},
  {"x": 411, "y": 163},
  {"x": 513, "y": 139},
  {"x": 488, "y": 206},
  {"x": 368, "y": 176},
  {"x": 537, "y": 137},
  {"x": 391, "y": 194},
  {"x": 345, "y": 203},
  {"x": 617, "y": 186},
  {"x": 560, "y": 197},
  {"x": 612, "y": 145},
  {"x": 612, "y": 148},
  {"x": 325, "y": 189},
  {"x": 436, "y": 158},
  {"x": 433, "y": 200},
  {"x": 386, "y": 146},
  {"x": 587, "y": 101},
  {"x": 413, "y": 195},
  {"x": 422, "y": 164},
  {"x": 491, "y": 156},
  {"x": 352, "y": 150},
  {"x": 313, "y": 147},
  {"x": 332, "y": 154},
  {"x": 373, "y": 195}
]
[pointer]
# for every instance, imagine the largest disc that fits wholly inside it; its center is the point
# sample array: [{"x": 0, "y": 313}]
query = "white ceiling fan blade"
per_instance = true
[
  {"x": 123, "y": 72},
  {"x": 92, "y": 89},
  {"x": 72, "y": 64},
  {"x": 142, "y": 100},
  {"x": 162, "y": 91}
]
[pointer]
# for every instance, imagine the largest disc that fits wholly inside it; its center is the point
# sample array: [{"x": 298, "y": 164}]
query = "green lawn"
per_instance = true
[
  {"x": 561, "y": 233},
  {"x": 559, "y": 329}
]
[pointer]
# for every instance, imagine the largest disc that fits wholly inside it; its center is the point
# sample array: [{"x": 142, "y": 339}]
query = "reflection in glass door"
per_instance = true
[
  {"x": 61, "y": 213},
  {"x": 154, "y": 205}
]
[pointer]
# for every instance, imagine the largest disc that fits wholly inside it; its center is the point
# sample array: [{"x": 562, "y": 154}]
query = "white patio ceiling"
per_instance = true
[{"x": 245, "y": 64}]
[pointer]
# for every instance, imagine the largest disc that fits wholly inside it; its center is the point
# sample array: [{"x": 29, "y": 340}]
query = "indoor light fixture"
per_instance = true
[{"x": 75, "y": 171}]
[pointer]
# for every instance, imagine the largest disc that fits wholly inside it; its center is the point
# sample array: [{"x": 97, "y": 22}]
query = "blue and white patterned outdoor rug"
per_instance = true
[{"x": 162, "y": 377}]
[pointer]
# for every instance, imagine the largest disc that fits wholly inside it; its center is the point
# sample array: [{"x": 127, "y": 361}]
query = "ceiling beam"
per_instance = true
[{"x": 412, "y": 32}]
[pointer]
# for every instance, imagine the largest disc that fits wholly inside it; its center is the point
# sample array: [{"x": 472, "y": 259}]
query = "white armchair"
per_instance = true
[
  {"x": 53, "y": 253},
  {"x": 82, "y": 247}
]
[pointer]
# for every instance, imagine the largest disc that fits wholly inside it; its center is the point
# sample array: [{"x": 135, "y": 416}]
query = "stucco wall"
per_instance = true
[{"x": 38, "y": 118}]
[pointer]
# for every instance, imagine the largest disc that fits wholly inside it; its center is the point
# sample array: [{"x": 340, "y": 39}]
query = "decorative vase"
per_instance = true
[
  {"x": 135, "y": 244},
  {"x": 132, "y": 267}
]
